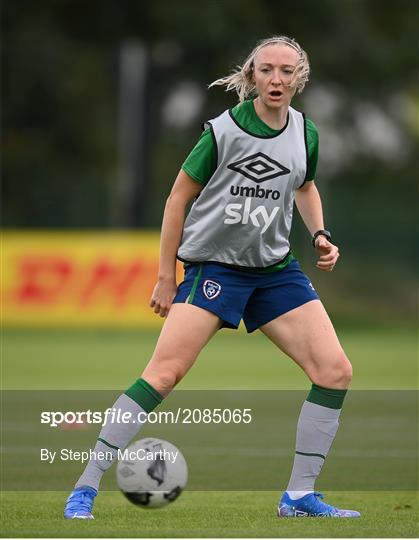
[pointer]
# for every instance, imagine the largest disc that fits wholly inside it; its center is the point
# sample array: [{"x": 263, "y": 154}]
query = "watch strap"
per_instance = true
[{"x": 321, "y": 232}]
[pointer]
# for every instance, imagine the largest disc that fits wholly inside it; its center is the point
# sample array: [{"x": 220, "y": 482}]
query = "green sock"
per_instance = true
[
  {"x": 328, "y": 397},
  {"x": 145, "y": 395}
]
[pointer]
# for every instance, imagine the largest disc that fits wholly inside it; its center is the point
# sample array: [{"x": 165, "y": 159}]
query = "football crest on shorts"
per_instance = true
[{"x": 211, "y": 289}]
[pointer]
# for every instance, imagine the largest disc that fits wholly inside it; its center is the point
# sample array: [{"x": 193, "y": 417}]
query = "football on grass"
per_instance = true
[{"x": 151, "y": 472}]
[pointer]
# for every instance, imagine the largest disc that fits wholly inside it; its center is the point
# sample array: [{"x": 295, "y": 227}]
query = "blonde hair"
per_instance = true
[{"x": 241, "y": 80}]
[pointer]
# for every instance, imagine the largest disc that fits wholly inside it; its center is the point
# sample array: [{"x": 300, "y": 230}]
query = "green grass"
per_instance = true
[
  {"x": 383, "y": 358},
  {"x": 209, "y": 514}
]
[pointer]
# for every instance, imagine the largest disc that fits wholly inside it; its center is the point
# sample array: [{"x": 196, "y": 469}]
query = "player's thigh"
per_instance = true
[
  {"x": 186, "y": 331},
  {"x": 307, "y": 335}
]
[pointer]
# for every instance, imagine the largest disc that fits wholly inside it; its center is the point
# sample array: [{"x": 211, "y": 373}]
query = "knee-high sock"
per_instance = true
[
  {"x": 138, "y": 401},
  {"x": 316, "y": 430}
]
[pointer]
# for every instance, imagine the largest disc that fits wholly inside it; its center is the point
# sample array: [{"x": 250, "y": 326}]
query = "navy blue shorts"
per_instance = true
[{"x": 236, "y": 294}]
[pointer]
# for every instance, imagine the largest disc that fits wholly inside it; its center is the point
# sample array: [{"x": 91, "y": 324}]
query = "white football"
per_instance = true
[{"x": 151, "y": 472}]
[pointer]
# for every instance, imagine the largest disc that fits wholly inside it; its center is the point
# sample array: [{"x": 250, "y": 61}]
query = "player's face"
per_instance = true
[{"x": 274, "y": 67}]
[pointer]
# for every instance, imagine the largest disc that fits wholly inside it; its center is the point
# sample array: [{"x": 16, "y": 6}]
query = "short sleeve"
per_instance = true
[
  {"x": 202, "y": 161},
  {"x": 312, "y": 138}
]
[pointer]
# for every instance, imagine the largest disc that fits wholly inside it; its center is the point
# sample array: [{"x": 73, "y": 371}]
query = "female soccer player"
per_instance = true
[{"x": 245, "y": 172}]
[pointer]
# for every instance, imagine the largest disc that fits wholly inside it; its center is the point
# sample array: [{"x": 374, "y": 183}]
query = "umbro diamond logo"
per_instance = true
[
  {"x": 259, "y": 167},
  {"x": 126, "y": 472}
]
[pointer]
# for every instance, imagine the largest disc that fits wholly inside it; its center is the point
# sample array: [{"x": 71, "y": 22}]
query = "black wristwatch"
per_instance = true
[{"x": 321, "y": 232}]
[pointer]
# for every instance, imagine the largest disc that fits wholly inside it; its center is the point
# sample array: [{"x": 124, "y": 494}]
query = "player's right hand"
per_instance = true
[{"x": 162, "y": 297}]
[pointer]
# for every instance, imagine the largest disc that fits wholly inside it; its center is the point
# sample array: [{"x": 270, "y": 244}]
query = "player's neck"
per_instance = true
[{"x": 275, "y": 118}]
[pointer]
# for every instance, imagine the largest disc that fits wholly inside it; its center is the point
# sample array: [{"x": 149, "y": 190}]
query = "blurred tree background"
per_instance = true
[{"x": 89, "y": 143}]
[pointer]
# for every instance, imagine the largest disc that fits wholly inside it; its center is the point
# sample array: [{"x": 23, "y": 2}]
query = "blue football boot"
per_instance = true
[
  {"x": 311, "y": 506},
  {"x": 80, "y": 503}
]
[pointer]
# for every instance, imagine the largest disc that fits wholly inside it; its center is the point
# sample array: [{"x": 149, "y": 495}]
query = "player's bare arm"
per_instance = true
[
  {"x": 184, "y": 190},
  {"x": 309, "y": 205}
]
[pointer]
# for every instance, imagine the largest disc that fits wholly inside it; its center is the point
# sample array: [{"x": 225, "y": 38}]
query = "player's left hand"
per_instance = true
[{"x": 328, "y": 254}]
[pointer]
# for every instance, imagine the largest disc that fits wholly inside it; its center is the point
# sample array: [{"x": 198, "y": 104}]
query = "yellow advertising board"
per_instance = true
[{"x": 79, "y": 279}]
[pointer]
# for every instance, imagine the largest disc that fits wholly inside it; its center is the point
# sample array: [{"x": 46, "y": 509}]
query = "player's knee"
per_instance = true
[
  {"x": 167, "y": 381},
  {"x": 163, "y": 377},
  {"x": 337, "y": 374},
  {"x": 346, "y": 375},
  {"x": 340, "y": 377},
  {"x": 163, "y": 381},
  {"x": 341, "y": 374}
]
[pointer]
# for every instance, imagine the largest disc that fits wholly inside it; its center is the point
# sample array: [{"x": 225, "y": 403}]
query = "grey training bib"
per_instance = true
[{"x": 243, "y": 215}]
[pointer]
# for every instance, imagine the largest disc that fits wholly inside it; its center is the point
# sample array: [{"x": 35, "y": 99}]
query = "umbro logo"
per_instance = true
[
  {"x": 126, "y": 472},
  {"x": 259, "y": 167}
]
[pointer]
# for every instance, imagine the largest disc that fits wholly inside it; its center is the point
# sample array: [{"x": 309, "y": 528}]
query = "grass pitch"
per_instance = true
[
  {"x": 209, "y": 514},
  {"x": 382, "y": 359}
]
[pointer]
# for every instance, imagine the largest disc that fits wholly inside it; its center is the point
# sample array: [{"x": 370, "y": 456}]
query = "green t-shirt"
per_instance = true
[{"x": 202, "y": 161}]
